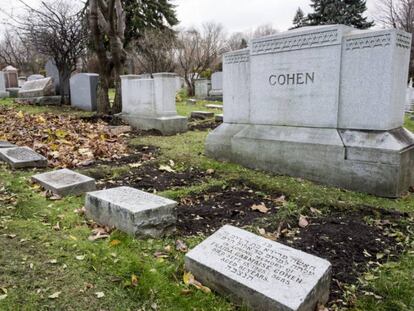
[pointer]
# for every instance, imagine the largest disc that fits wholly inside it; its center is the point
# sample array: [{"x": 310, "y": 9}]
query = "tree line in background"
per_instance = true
[{"x": 116, "y": 37}]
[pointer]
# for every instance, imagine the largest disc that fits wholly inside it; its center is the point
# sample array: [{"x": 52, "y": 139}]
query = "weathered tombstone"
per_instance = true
[
  {"x": 202, "y": 87},
  {"x": 65, "y": 182},
  {"x": 53, "y": 72},
  {"x": 409, "y": 100},
  {"x": 3, "y": 92},
  {"x": 22, "y": 157},
  {"x": 83, "y": 90},
  {"x": 202, "y": 114},
  {"x": 21, "y": 81},
  {"x": 216, "y": 85},
  {"x": 11, "y": 77},
  {"x": 13, "y": 92},
  {"x": 38, "y": 88},
  {"x": 260, "y": 273},
  {"x": 35, "y": 77},
  {"x": 150, "y": 103},
  {"x": 314, "y": 103},
  {"x": 6, "y": 144},
  {"x": 191, "y": 101},
  {"x": 133, "y": 211}
]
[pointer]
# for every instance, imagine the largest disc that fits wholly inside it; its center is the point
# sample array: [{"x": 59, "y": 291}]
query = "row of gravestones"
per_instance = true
[
  {"x": 210, "y": 89},
  {"x": 263, "y": 274}
]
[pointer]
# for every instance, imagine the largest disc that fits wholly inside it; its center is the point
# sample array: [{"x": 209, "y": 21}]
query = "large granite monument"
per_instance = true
[
  {"x": 260, "y": 273},
  {"x": 83, "y": 90},
  {"x": 325, "y": 103},
  {"x": 149, "y": 103}
]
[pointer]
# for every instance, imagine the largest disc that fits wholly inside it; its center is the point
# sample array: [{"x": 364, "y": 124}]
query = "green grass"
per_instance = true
[
  {"x": 48, "y": 231},
  {"x": 185, "y": 109}
]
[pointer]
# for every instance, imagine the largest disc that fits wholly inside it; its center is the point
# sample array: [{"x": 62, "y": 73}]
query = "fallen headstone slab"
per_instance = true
[
  {"x": 260, "y": 273},
  {"x": 213, "y": 106},
  {"x": 219, "y": 118},
  {"x": 37, "y": 88},
  {"x": 135, "y": 212},
  {"x": 65, "y": 182},
  {"x": 22, "y": 157},
  {"x": 6, "y": 144},
  {"x": 202, "y": 115}
]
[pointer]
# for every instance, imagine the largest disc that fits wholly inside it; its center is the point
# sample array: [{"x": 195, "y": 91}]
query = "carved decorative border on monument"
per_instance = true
[
  {"x": 383, "y": 40},
  {"x": 236, "y": 58},
  {"x": 297, "y": 42}
]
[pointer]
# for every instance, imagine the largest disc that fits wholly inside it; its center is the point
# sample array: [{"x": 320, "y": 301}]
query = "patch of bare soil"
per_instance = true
[
  {"x": 197, "y": 125},
  {"x": 350, "y": 243},
  {"x": 151, "y": 177},
  {"x": 238, "y": 206}
]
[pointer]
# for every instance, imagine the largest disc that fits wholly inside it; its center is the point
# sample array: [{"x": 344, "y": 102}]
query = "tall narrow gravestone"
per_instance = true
[
  {"x": 149, "y": 103},
  {"x": 3, "y": 92},
  {"x": 83, "y": 90},
  {"x": 260, "y": 273},
  {"x": 325, "y": 103},
  {"x": 216, "y": 85}
]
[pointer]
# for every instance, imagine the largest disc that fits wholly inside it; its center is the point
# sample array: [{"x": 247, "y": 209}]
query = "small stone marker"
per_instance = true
[
  {"x": 213, "y": 106},
  {"x": 65, "y": 182},
  {"x": 263, "y": 274},
  {"x": 6, "y": 144},
  {"x": 202, "y": 88},
  {"x": 191, "y": 101},
  {"x": 22, "y": 157},
  {"x": 135, "y": 212},
  {"x": 3, "y": 92},
  {"x": 202, "y": 114}
]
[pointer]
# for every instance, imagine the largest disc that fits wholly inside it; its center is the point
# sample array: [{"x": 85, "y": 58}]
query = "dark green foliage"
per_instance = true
[
  {"x": 347, "y": 12},
  {"x": 147, "y": 14},
  {"x": 243, "y": 43},
  {"x": 299, "y": 19}
]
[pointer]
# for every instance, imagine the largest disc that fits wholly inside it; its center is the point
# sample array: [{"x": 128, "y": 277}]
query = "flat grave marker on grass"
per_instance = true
[
  {"x": 214, "y": 106},
  {"x": 135, "y": 212},
  {"x": 65, "y": 182},
  {"x": 22, "y": 157},
  {"x": 6, "y": 144},
  {"x": 202, "y": 114},
  {"x": 263, "y": 274}
]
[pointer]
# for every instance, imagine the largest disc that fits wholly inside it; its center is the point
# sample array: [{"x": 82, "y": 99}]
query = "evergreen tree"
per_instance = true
[
  {"x": 347, "y": 12},
  {"x": 299, "y": 19}
]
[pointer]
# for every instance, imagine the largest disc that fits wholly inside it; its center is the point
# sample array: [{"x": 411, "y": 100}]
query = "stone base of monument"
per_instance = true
[
  {"x": 4, "y": 94},
  {"x": 22, "y": 157},
  {"x": 260, "y": 273},
  {"x": 166, "y": 125},
  {"x": 375, "y": 162},
  {"x": 65, "y": 182},
  {"x": 203, "y": 115},
  {"x": 13, "y": 92},
  {"x": 133, "y": 211},
  {"x": 43, "y": 100}
]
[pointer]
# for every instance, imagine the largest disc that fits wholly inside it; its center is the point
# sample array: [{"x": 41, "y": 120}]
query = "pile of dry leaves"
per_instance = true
[{"x": 66, "y": 141}]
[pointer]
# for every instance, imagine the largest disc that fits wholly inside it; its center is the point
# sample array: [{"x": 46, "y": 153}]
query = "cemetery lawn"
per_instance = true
[{"x": 48, "y": 260}]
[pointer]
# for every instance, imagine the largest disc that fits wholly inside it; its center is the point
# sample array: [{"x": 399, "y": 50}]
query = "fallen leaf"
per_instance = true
[
  {"x": 134, "y": 280},
  {"x": 114, "y": 243},
  {"x": 99, "y": 295},
  {"x": 81, "y": 257},
  {"x": 2, "y": 297},
  {"x": 166, "y": 168},
  {"x": 303, "y": 222},
  {"x": 54, "y": 295},
  {"x": 260, "y": 207},
  {"x": 210, "y": 171},
  {"x": 315, "y": 211}
]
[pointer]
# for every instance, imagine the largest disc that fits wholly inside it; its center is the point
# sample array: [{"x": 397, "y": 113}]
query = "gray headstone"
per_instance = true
[
  {"x": 65, "y": 182},
  {"x": 202, "y": 114},
  {"x": 202, "y": 88},
  {"x": 133, "y": 211},
  {"x": 263, "y": 274},
  {"x": 83, "y": 90},
  {"x": 38, "y": 88},
  {"x": 22, "y": 157},
  {"x": 35, "y": 77},
  {"x": 53, "y": 72},
  {"x": 217, "y": 81},
  {"x": 3, "y": 92}
]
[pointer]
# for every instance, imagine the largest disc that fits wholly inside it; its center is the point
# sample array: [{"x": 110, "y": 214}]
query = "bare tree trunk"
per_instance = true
[{"x": 103, "y": 105}]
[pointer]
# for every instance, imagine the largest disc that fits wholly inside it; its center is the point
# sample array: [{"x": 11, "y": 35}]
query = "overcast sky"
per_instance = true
[{"x": 235, "y": 15}]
